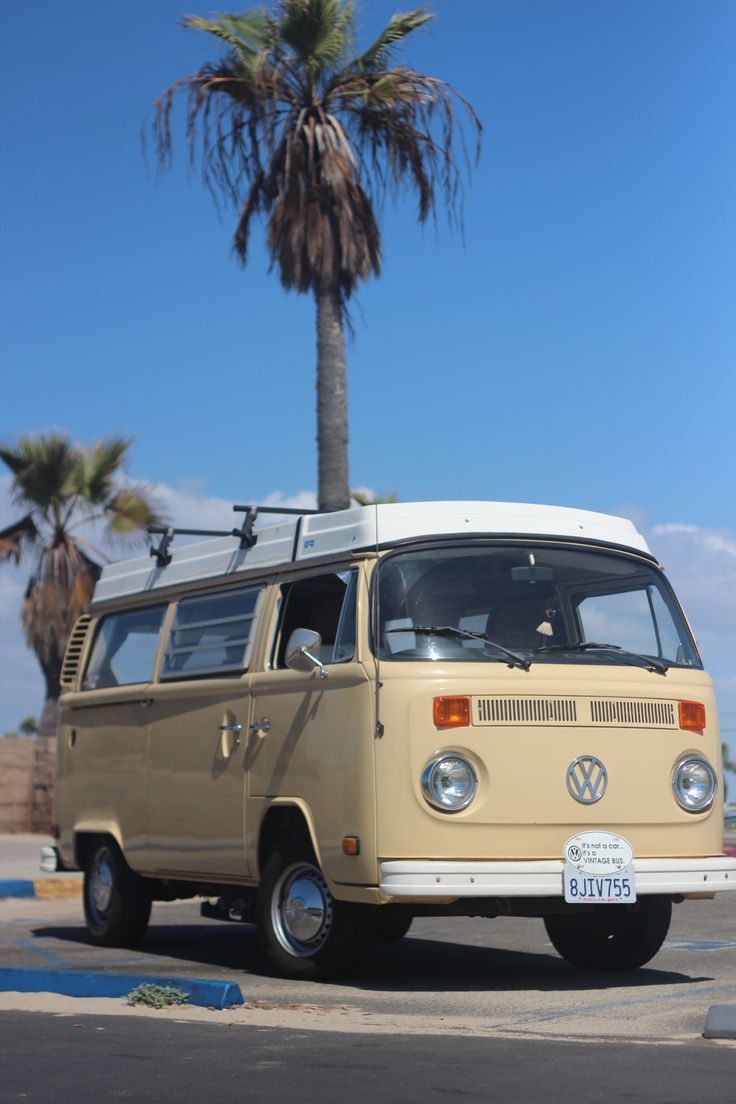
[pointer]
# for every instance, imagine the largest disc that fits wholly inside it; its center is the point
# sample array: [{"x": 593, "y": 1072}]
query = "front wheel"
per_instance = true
[
  {"x": 305, "y": 933},
  {"x": 611, "y": 937},
  {"x": 117, "y": 903}
]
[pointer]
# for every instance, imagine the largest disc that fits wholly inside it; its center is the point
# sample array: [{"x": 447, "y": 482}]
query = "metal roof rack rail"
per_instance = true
[
  {"x": 168, "y": 532},
  {"x": 247, "y": 537}
]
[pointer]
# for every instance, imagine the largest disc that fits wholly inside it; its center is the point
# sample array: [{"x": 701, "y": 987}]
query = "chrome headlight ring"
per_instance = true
[
  {"x": 694, "y": 784},
  {"x": 449, "y": 782}
]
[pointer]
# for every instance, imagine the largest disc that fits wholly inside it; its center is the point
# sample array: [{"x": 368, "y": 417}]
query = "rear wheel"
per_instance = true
[
  {"x": 117, "y": 902},
  {"x": 304, "y": 931},
  {"x": 612, "y": 937}
]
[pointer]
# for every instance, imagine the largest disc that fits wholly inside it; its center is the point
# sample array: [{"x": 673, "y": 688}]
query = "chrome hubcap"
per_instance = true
[
  {"x": 301, "y": 910},
  {"x": 101, "y": 884}
]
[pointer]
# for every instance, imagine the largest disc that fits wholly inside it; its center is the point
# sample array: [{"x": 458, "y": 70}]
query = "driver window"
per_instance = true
[{"x": 325, "y": 604}]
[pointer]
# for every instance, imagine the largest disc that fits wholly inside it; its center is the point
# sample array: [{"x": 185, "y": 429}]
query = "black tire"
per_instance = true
[
  {"x": 393, "y": 923},
  {"x": 304, "y": 932},
  {"x": 611, "y": 937},
  {"x": 117, "y": 902}
]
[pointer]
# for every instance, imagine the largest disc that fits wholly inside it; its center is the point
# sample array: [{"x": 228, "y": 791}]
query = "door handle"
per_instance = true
[
  {"x": 263, "y": 726},
  {"x": 145, "y": 703}
]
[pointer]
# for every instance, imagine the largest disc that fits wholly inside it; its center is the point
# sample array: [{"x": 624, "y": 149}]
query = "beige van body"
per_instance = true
[{"x": 405, "y": 760}]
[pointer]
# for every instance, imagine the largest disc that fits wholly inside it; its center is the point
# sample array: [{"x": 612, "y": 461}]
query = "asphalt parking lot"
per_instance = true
[
  {"x": 460, "y": 976},
  {"x": 472, "y": 1008}
]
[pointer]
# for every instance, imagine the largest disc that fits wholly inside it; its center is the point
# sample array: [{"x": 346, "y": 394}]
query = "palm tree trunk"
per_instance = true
[{"x": 332, "y": 404}]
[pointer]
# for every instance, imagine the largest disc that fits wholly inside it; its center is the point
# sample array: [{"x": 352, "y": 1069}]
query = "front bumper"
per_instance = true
[{"x": 428, "y": 880}]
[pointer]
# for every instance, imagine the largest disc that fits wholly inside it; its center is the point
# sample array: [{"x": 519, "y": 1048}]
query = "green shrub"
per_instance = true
[{"x": 156, "y": 996}]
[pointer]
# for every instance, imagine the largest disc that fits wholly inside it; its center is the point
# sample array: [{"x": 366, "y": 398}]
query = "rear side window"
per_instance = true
[
  {"x": 125, "y": 649},
  {"x": 211, "y": 634}
]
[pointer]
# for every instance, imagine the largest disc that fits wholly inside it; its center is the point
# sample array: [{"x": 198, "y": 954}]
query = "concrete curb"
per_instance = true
[
  {"x": 41, "y": 887},
  {"x": 70, "y": 983},
  {"x": 720, "y": 1022}
]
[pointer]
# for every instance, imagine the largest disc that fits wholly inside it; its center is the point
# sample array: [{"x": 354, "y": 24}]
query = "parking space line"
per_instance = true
[{"x": 608, "y": 1006}]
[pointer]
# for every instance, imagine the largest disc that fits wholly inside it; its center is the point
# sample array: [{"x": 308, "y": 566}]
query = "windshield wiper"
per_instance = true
[
  {"x": 592, "y": 646},
  {"x": 450, "y": 630}
]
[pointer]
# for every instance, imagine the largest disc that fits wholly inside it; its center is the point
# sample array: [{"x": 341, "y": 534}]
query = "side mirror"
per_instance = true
[{"x": 300, "y": 652}]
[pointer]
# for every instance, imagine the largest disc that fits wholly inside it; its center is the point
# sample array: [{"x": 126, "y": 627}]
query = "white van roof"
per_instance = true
[{"x": 312, "y": 536}]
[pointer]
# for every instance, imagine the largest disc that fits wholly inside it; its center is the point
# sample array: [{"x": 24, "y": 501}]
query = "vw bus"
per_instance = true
[{"x": 338, "y": 722}]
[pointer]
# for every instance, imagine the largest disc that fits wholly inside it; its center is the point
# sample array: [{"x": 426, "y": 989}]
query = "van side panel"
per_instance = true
[
  {"x": 320, "y": 749},
  {"x": 102, "y": 770}
]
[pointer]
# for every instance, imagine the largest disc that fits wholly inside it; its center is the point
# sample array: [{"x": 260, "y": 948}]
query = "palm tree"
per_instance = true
[
  {"x": 290, "y": 123},
  {"x": 63, "y": 486}
]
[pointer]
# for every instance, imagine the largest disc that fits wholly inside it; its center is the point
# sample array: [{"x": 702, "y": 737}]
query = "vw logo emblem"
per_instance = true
[{"x": 586, "y": 779}]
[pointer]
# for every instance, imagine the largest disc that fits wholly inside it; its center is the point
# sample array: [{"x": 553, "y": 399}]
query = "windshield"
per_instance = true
[{"x": 537, "y": 603}]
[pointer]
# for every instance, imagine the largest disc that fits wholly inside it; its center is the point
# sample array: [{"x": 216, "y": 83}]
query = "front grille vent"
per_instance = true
[
  {"x": 652, "y": 714},
  {"x": 525, "y": 711},
  {"x": 74, "y": 650}
]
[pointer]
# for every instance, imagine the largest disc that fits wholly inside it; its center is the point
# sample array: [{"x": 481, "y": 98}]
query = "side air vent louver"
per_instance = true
[
  {"x": 74, "y": 649},
  {"x": 525, "y": 711},
  {"x": 652, "y": 714}
]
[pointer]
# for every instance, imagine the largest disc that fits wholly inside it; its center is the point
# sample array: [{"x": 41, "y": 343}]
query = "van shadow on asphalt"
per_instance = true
[{"x": 417, "y": 963}]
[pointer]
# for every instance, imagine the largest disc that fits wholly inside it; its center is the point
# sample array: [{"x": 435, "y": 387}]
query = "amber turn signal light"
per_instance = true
[
  {"x": 451, "y": 712},
  {"x": 692, "y": 715},
  {"x": 350, "y": 845}
]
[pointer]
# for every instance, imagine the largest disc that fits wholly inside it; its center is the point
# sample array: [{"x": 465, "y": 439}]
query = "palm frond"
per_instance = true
[
  {"x": 132, "y": 510},
  {"x": 12, "y": 539},
  {"x": 42, "y": 467},
  {"x": 398, "y": 27},
  {"x": 320, "y": 32},
  {"x": 249, "y": 34},
  {"x": 98, "y": 467},
  {"x": 363, "y": 498}
]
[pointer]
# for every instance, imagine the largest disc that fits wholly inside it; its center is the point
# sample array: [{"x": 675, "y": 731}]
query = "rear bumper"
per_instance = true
[{"x": 428, "y": 880}]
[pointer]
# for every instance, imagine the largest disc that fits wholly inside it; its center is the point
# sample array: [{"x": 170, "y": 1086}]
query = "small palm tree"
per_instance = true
[
  {"x": 292, "y": 124},
  {"x": 62, "y": 487}
]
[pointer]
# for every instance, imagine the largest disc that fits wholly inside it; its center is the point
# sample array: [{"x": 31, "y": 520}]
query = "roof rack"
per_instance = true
[{"x": 245, "y": 533}]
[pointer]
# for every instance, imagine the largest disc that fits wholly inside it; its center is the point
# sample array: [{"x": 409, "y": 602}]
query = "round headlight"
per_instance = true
[
  {"x": 449, "y": 782},
  {"x": 694, "y": 784}
]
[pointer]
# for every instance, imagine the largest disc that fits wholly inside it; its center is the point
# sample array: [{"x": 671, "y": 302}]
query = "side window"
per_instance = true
[
  {"x": 327, "y": 605},
  {"x": 211, "y": 634},
  {"x": 124, "y": 650}
]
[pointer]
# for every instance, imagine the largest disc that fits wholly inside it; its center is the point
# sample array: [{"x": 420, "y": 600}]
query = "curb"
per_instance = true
[
  {"x": 720, "y": 1022},
  {"x": 41, "y": 887},
  {"x": 70, "y": 983}
]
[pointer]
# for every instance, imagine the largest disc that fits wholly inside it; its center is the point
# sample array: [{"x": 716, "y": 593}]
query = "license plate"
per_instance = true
[
  {"x": 599, "y": 869},
  {"x": 601, "y": 889}
]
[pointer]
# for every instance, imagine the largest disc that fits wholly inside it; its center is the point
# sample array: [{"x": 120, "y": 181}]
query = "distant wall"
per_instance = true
[
  {"x": 43, "y": 776},
  {"x": 16, "y": 784}
]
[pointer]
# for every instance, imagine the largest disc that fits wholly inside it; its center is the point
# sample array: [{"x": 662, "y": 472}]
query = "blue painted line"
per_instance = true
[
  {"x": 17, "y": 887},
  {"x": 47, "y": 955},
  {"x": 608, "y": 1006},
  {"x": 70, "y": 983},
  {"x": 699, "y": 945}
]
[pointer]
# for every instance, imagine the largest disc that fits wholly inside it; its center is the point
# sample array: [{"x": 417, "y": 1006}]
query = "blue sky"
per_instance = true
[{"x": 577, "y": 346}]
